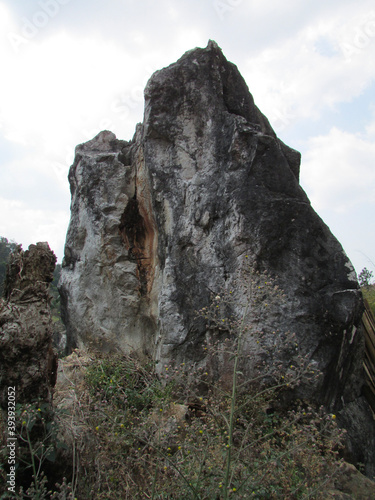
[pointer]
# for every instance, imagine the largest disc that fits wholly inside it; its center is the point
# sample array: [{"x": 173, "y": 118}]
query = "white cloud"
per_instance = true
[
  {"x": 86, "y": 71},
  {"x": 338, "y": 172},
  {"x": 35, "y": 179},
  {"x": 56, "y": 89},
  {"x": 27, "y": 225},
  {"x": 34, "y": 201},
  {"x": 64, "y": 89},
  {"x": 315, "y": 68}
]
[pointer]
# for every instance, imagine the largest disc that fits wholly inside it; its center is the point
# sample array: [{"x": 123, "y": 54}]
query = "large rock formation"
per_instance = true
[
  {"x": 161, "y": 222},
  {"x": 27, "y": 360}
]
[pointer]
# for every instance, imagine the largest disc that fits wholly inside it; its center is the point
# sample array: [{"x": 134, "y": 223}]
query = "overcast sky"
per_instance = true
[{"x": 71, "y": 68}]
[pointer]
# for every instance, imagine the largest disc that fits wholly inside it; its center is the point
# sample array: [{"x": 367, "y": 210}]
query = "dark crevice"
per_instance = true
[{"x": 137, "y": 235}]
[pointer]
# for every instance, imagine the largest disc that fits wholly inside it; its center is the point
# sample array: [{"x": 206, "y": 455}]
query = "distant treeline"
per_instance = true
[{"x": 6, "y": 247}]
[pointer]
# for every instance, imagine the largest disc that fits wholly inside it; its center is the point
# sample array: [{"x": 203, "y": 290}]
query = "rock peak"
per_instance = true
[
  {"x": 208, "y": 69},
  {"x": 161, "y": 222},
  {"x": 212, "y": 45}
]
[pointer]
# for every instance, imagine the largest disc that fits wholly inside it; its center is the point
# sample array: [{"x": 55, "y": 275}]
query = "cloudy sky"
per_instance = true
[{"x": 71, "y": 68}]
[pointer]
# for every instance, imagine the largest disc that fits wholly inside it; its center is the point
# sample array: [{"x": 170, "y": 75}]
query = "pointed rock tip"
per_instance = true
[
  {"x": 104, "y": 136},
  {"x": 101, "y": 142},
  {"x": 212, "y": 45}
]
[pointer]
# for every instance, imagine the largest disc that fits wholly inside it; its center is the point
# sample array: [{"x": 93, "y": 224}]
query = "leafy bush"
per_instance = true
[
  {"x": 125, "y": 382},
  {"x": 365, "y": 277}
]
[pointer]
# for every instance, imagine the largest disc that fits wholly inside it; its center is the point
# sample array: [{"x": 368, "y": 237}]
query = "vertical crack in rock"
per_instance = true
[{"x": 138, "y": 236}]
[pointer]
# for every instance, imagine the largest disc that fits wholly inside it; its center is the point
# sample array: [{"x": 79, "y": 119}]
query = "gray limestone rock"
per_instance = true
[{"x": 160, "y": 223}]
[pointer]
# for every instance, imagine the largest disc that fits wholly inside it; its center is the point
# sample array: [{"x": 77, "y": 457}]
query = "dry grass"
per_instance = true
[{"x": 139, "y": 435}]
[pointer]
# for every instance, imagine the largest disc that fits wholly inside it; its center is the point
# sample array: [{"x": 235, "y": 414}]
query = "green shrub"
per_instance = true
[{"x": 369, "y": 295}]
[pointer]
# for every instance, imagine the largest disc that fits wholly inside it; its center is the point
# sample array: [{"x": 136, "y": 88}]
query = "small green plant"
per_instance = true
[
  {"x": 124, "y": 381},
  {"x": 365, "y": 277},
  {"x": 369, "y": 295}
]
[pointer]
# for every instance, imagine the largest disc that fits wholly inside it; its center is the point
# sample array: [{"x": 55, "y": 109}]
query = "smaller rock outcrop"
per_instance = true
[{"x": 27, "y": 360}]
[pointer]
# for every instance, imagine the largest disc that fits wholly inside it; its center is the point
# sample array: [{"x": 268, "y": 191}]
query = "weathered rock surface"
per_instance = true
[
  {"x": 161, "y": 222},
  {"x": 27, "y": 360},
  {"x": 350, "y": 484}
]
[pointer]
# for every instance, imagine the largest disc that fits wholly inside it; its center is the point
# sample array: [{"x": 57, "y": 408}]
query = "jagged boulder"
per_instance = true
[
  {"x": 160, "y": 223},
  {"x": 27, "y": 360}
]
